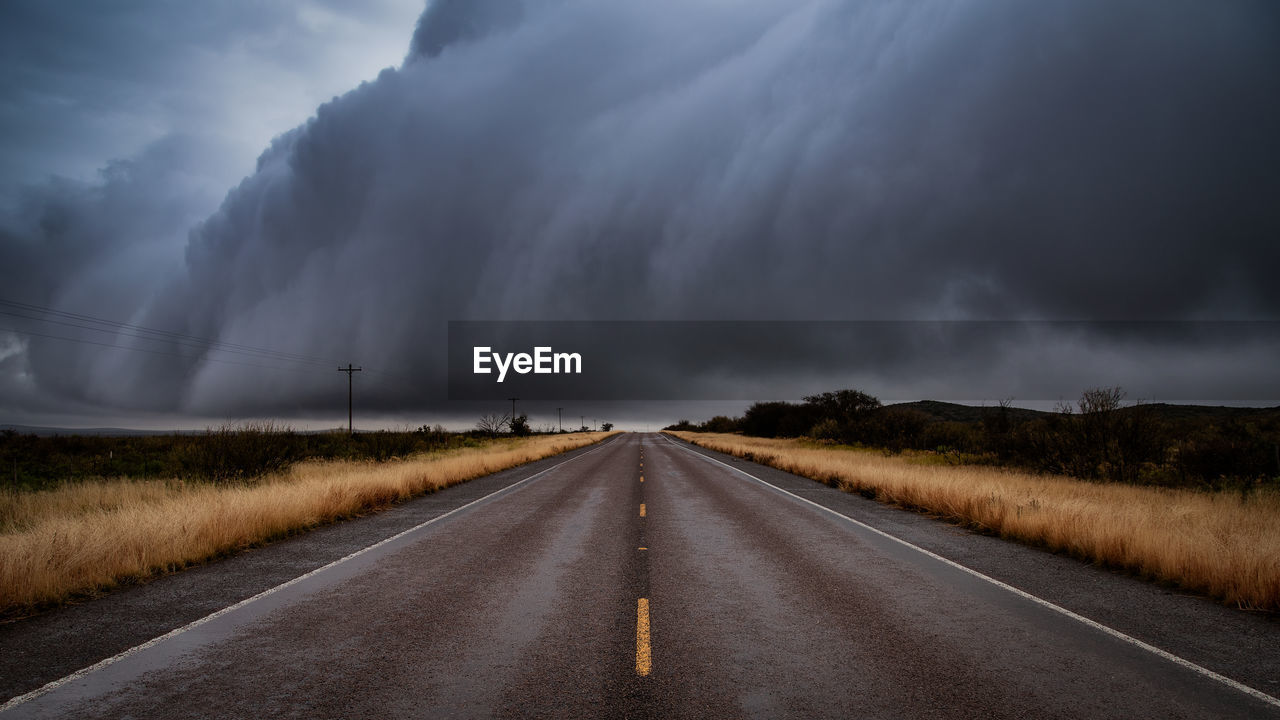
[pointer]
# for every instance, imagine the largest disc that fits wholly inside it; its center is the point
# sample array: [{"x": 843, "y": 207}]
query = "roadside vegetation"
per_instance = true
[
  {"x": 1223, "y": 543},
  {"x": 228, "y": 490},
  {"x": 230, "y": 453},
  {"x": 1098, "y": 438}
]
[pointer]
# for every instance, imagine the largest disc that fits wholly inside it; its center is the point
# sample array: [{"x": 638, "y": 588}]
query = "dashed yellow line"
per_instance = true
[
  {"x": 644, "y": 660},
  {"x": 644, "y": 663}
]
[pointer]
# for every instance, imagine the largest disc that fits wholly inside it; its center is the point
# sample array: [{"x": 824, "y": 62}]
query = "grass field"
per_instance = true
[
  {"x": 85, "y": 537},
  {"x": 1224, "y": 544}
]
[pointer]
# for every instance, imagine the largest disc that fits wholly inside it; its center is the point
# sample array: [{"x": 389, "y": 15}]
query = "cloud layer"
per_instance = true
[{"x": 713, "y": 160}]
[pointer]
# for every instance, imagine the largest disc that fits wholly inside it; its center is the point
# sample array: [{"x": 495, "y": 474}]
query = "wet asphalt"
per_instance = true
[{"x": 525, "y": 604}]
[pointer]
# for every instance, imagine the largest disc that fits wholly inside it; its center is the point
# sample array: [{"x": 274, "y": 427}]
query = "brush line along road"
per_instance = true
[{"x": 646, "y": 578}]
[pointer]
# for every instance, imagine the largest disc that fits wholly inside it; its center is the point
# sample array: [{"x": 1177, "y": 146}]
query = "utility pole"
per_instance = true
[
  {"x": 560, "y": 418},
  {"x": 513, "y": 413},
  {"x": 582, "y": 421},
  {"x": 349, "y": 370}
]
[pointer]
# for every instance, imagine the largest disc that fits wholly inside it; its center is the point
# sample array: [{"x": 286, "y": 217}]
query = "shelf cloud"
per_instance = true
[{"x": 1082, "y": 160}]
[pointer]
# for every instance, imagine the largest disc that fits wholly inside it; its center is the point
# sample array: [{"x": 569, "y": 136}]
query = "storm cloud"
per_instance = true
[{"x": 771, "y": 160}]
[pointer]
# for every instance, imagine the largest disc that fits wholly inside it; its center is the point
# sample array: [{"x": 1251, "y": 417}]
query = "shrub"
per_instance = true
[
  {"x": 384, "y": 444},
  {"x": 825, "y": 429},
  {"x": 520, "y": 426},
  {"x": 232, "y": 453},
  {"x": 778, "y": 419}
]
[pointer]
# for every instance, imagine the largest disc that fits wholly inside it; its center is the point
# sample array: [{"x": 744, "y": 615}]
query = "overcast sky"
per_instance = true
[{"x": 188, "y": 168}]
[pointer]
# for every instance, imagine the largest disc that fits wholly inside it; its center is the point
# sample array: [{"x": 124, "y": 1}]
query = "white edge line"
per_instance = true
[
  {"x": 32, "y": 695},
  {"x": 1256, "y": 694}
]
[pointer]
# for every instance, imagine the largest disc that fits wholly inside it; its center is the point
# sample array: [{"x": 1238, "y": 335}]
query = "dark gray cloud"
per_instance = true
[
  {"x": 970, "y": 360},
  {"x": 767, "y": 160},
  {"x": 82, "y": 84},
  {"x": 449, "y": 22}
]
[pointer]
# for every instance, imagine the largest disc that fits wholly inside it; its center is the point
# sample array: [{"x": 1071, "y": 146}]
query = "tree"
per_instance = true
[
  {"x": 996, "y": 421},
  {"x": 895, "y": 428},
  {"x": 1096, "y": 430},
  {"x": 776, "y": 419},
  {"x": 491, "y": 424},
  {"x": 433, "y": 435},
  {"x": 843, "y": 406},
  {"x": 520, "y": 425},
  {"x": 606, "y": 426},
  {"x": 720, "y": 424},
  {"x": 850, "y": 409},
  {"x": 997, "y": 426}
]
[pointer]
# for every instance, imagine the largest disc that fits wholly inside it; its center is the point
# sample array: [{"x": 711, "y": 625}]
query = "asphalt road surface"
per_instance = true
[{"x": 646, "y": 578}]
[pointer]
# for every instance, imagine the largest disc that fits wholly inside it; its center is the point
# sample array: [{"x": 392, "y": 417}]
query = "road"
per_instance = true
[{"x": 646, "y": 578}]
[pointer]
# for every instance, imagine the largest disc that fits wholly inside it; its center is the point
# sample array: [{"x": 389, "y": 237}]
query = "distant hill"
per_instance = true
[
  {"x": 1210, "y": 413},
  {"x": 41, "y": 431},
  {"x": 955, "y": 412}
]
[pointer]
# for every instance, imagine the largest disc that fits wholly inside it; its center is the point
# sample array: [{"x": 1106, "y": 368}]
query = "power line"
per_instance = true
[
  {"x": 205, "y": 346},
  {"x": 144, "y": 350},
  {"x": 163, "y": 334},
  {"x": 141, "y": 332}
]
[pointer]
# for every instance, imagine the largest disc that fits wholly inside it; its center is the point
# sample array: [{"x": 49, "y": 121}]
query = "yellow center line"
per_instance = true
[
  {"x": 641, "y": 478},
  {"x": 644, "y": 662},
  {"x": 641, "y": 509}
]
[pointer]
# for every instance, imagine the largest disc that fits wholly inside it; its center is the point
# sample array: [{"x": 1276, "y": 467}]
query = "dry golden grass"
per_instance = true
[
  {"x": 86, "y": 537},
  {"x": 1219, "y": 544}
]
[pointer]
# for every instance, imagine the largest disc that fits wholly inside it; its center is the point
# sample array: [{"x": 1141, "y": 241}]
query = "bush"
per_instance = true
[
  {"x": 226, "y": 454},
  {"x": 432, "y": 437},
  {"x": 233, "y": 453},
  {"x": 520, "y": 426},
  {"x": 826, "y": 429},
  {"x": 383, "y": 445},
  {"x": 952, "y": 437},
  {"x": 1238, "y": 450},
  {"x": 895, "y": 429},
  {"x": 778, "y": 419},
  {"x": 720, "y": 424},
  {"x": 1095, "y": 438}
]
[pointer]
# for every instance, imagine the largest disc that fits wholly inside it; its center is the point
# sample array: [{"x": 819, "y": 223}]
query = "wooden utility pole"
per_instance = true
[
  {"x": 560, "y": 418},
  {"x": 513, "y": 414},
  {"x": 349, "y": 370}
]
